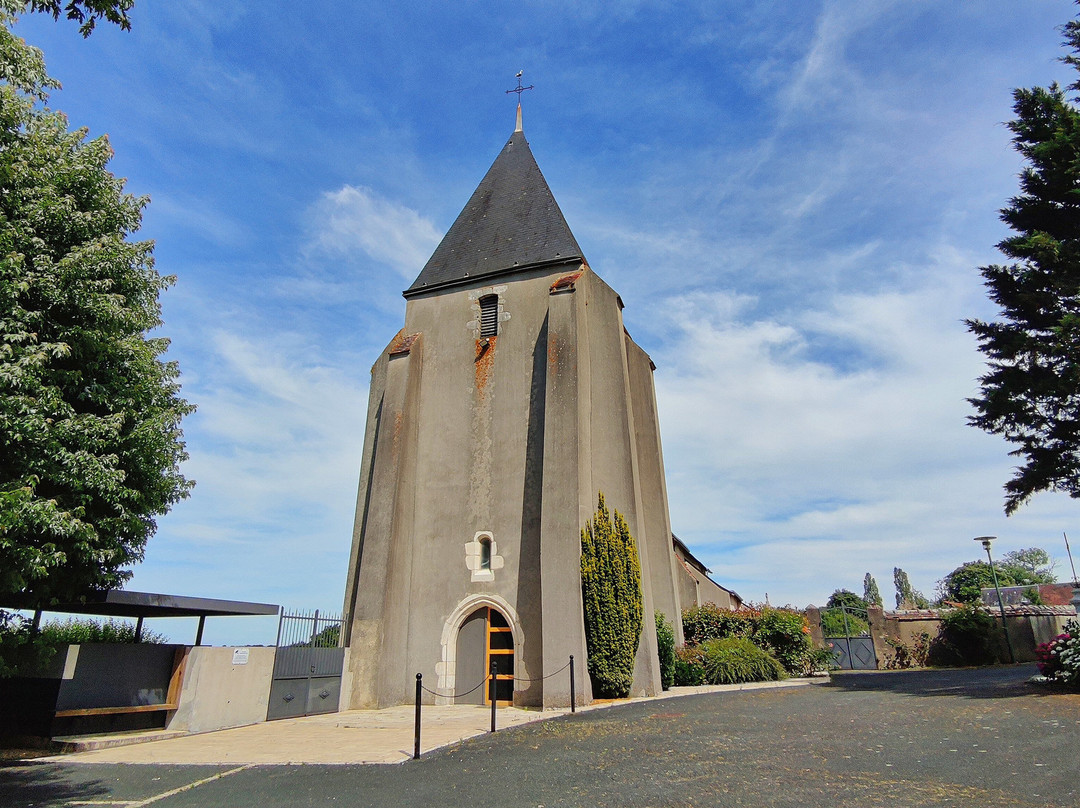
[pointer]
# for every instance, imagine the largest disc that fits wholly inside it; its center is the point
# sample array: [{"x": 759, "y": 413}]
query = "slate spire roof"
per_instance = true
[{"x": 511, "y": 223}]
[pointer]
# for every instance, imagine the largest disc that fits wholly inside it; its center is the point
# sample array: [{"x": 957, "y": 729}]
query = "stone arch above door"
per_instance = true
[{"x": 446, "y": 668}]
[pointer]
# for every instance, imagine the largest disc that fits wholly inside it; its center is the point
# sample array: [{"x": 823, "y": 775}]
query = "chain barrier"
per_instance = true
[
  {"x": 490, "y": 679},
  {"x": 426, "y": 689},
  {"x": 542, "y": 678}
]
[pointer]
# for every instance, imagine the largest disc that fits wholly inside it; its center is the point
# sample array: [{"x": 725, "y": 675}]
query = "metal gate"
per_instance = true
[
  {"x": 847, "y": 634},
  {"x": 307, "y": 666}
]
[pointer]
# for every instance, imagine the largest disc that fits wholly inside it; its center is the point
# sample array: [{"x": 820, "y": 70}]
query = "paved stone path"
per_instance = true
[{"x": 980, "y": 738}]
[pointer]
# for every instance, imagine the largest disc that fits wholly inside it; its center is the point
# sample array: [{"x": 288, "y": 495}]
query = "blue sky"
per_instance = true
[{"x": 791, "y": 198}]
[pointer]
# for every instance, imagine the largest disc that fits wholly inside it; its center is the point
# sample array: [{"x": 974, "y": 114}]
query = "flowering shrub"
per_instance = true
[
  {"x": 1060, "y": 658},
  {"x": 1046, "y": 655}
]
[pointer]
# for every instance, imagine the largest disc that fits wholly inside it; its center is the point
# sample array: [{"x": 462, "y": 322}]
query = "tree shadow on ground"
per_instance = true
[
  {"x": 994, "y": 682},
  {"x": 43, "y": 785}
]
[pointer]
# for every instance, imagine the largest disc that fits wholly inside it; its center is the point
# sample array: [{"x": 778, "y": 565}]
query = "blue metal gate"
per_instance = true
[
  {"x": 847, "y": 634},
  {"x": 307, "y": 666}
]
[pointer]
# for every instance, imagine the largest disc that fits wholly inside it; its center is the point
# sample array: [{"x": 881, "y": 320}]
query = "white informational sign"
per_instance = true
[{"x": 240, "y": 656}]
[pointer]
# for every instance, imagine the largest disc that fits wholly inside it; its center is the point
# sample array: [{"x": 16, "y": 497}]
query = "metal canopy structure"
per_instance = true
[{"x": 140, "y": 605}]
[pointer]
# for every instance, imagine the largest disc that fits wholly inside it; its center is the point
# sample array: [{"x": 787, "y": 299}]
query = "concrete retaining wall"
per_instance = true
[{"x": 223, "y": 689}]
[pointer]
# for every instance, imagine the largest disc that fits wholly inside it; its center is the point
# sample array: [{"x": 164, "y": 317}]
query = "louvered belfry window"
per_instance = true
[{"x": 489, "y": 316}]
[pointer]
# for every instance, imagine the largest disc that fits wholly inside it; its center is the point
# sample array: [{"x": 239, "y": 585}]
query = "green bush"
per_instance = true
[
  {"x": 665, "y": 649},
  {"x": 786, "y": 634},
  {"x": 968, "y": 636},
  {"x": 20, "y": 648},
  {"x": 732, "y": 660},
  {"x": 782, "y": 632},
  {"x": 689, "y": 666},
  {"x": 79, "y": 631},
  {"x": 611, "y": 592}
]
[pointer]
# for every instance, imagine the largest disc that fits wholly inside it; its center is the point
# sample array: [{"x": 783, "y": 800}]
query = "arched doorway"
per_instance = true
[{"x": 485, "y": 636}]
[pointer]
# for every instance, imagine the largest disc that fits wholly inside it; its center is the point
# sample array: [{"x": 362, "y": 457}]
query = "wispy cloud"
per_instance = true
[{"x": 355, "y": 219}]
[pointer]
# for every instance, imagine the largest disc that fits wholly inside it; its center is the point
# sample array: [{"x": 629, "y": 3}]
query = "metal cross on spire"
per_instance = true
[{"x": 519, "y": 90}]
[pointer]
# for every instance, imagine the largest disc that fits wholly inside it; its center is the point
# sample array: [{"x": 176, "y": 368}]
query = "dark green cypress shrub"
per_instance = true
[
  {"x": 611, "y": 593},
  {"x": 665, "y": 649}
]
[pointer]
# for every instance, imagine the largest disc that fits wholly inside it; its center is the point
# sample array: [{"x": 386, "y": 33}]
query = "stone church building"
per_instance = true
[{"x": 512, "y": 396}]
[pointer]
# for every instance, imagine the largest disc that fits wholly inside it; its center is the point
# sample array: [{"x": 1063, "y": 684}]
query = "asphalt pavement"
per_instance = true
[{"x": 977, "y": 737}]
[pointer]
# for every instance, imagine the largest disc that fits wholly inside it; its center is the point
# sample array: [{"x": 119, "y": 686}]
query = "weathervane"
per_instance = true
[{"x": 519, "y": 89}]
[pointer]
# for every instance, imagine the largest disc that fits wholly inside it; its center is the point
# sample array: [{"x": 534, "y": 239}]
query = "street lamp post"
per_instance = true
[{"x": 997, "y": 588}]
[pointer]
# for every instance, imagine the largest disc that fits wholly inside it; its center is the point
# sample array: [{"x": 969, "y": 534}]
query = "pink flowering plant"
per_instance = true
[{"x": 1060, "y": 658}]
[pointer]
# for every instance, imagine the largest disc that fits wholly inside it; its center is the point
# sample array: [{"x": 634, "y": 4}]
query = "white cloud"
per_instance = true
[
  {"x": 275, "y": 450},
  {"x": 806, "y": 447},
  {"x": 356, "y": 219}
]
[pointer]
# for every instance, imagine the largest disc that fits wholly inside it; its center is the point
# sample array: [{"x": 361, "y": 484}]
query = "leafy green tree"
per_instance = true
[
  {"x": 84, "y": 12},
  {"x": 846, "y": 598},
  {"x": 907, "y": 597},
  {"x": 841, "y": 623},
  {"x": 1031, "y": 393},
  {"x": 90, "y": 438},
  {"x": 1036, "y": 561},
  {"x": 612, "y": 596},
  {"x": 871, "y": 593},
  {"x": 965, "y": 583}
]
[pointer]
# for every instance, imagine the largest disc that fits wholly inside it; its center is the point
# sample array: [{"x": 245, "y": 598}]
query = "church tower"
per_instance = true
[{"x": 510, "y": 399}]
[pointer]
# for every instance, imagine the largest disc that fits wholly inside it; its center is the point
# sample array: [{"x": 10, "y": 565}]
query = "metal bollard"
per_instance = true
[
  {"x": 416, "y": 726},
  {"x": 494, "y": 673},
  {"x": 573, "y": 700}
]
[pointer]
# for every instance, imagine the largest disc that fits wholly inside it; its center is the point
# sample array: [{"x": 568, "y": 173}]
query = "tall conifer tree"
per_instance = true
[
  {"x": 871, "y": 593},
  {"x": 612, "y": 596},
  {"x": 1031, "y": 393}
]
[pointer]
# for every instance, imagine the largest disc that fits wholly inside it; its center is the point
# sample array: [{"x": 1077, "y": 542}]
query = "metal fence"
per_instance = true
[{"x": 305, "y": 629}]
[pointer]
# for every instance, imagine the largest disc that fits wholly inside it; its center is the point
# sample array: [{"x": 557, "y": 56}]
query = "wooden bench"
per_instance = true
[
  {"x": 135, "y": 708},
  {"x": 172, "y": 698}
]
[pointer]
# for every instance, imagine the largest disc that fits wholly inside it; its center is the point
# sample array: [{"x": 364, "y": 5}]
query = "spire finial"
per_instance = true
[{"x": 519, "y": 90}]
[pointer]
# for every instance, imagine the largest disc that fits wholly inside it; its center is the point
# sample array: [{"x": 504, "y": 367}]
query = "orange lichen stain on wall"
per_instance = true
[
  {"x": 485, "y": 361},
  {"x": 553, "y": 352}
]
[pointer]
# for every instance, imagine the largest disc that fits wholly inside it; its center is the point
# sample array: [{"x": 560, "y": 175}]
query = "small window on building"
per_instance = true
[
  {"x": 489, "y": 316},
  {"x": 485, "y": 553}
]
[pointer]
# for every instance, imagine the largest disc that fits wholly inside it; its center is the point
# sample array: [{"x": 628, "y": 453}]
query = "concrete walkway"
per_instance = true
[{"x": 355, "y": 736}]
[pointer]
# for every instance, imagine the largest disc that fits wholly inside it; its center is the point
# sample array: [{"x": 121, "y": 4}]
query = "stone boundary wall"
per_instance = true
[{"x": 1028, "y": 627}]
